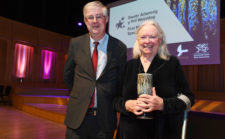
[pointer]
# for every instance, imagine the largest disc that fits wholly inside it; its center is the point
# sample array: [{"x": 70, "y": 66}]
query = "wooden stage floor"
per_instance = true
[
  {"x": 16, "y": 124},
  {"x": 42, "y": 117}
]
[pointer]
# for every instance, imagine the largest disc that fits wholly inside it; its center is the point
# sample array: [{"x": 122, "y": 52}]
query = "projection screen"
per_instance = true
[{"x": 192, "y": 27}]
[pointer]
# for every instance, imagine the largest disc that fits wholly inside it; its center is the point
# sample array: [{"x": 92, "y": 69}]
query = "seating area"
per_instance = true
[{"x": 4, "y": 93}]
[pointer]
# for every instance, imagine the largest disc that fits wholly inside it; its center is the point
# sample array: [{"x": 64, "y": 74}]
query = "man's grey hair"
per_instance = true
[{"x": 95, "y": 4}]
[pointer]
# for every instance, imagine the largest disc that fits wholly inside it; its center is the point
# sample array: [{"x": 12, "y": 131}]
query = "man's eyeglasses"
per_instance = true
[{"x": 97, "y": 17}]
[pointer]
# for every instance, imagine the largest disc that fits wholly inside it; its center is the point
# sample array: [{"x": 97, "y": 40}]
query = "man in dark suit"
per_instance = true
[{"x": 90, "y": 81}]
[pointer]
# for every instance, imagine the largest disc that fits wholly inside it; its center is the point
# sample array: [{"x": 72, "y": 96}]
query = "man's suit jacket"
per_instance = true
[{"x": 80, "y": 79}]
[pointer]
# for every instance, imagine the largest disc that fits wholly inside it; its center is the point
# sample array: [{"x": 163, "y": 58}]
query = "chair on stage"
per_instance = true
[
  {"x": 1, "y": 92},
  {"x": 5, "y": 94}
]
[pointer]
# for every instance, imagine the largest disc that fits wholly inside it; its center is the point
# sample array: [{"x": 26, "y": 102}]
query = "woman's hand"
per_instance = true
[
  {"x": 133, "y": 106},
  {"x": 150, "y": 102}
]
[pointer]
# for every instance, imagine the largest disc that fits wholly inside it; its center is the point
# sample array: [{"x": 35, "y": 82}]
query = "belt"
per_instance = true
[{"x": 92, "y": 111}]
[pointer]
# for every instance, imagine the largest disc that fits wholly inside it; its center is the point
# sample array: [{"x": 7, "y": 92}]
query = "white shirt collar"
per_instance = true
[{"x": 100, "y": 41}]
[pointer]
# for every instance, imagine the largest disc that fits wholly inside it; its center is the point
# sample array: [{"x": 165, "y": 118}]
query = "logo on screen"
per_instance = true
[
  {"x": 202, "y": 51},
  {"x": 181, "y": 51},
  {"x": 120, "y": 23}
]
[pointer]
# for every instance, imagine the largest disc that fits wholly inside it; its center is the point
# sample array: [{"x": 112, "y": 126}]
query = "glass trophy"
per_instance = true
[{"x": 144, "y": 86}]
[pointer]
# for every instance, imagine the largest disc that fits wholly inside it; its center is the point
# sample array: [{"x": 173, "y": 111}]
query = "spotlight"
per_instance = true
[{"x": 79, "y": 24}]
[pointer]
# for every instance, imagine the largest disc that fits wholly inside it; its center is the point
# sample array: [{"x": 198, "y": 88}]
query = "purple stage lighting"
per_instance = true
[
  {"x": 47, "y": 57},
  {"x": 23, "y": 54},
  {"x": 79, "y": 24}
]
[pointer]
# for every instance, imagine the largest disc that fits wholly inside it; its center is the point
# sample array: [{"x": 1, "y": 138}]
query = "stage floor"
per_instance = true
[
  {"x": 16, "y": 124},
  {"x": 205, "y": 120}
]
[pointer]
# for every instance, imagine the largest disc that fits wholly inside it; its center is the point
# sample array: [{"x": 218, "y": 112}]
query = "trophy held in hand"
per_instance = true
[{"x": 144, "y": 86}]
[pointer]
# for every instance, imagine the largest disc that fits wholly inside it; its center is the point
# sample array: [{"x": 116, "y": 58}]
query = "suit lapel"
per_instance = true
[
  {"x": 87, "y": 55},
  {"x": 109, "y": 54}
]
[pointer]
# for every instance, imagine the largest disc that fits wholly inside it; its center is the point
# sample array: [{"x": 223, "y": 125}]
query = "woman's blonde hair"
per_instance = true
[{"x": 163, "y": 51}]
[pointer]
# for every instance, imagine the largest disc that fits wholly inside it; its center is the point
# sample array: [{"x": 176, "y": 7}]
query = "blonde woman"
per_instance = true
[{"x": 171, "y": 92}]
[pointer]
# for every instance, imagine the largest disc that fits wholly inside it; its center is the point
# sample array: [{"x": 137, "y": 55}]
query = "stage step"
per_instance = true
[
  {"x": 209, "y": 107},
  {"x": 46, "y": 106},
  {"x": 53, "y": 112},
  {"x": 54, "y": 107},
  {"x": 18, "y": 100}
]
